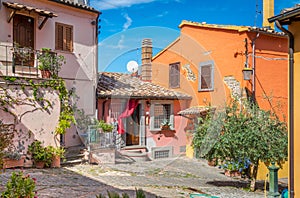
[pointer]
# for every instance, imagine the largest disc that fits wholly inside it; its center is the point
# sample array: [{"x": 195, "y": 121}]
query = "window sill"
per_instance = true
[
  {"x": 206, "y": 90},
  {"x": 161, "y": 131}
]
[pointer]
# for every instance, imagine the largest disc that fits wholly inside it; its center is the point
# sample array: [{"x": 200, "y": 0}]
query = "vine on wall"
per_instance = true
[{"x": 8, "y": 101}]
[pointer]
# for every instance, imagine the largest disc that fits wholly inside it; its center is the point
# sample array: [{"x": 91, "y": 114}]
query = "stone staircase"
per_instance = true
[
  {"x": 131, "y": 154},
  {"x": 75, "y": 155}
]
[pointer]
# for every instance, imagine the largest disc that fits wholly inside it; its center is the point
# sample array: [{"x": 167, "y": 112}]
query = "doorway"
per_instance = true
[
  {"x": 23, "y": 38},
  {"x": 133, "y": 128}
]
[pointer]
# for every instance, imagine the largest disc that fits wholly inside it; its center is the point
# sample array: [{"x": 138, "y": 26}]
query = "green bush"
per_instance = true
[
  {"x": 19, "y": 186},
  {"x": 40, "y": 153}
]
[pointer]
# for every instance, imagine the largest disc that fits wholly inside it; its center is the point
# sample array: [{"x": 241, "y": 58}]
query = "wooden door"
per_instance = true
[
  {"x": 133, "y": 128},
  {"x": 23, "y": 37}
]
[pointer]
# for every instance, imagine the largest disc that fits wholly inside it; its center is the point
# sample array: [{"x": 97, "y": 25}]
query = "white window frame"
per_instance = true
[{"x": 161, "y": 102}]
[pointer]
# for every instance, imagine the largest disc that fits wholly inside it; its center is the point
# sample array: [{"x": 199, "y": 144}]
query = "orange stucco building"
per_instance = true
[{"x": 207, "y": 60}]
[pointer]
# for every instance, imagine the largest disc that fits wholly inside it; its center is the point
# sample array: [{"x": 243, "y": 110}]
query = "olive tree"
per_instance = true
[{"x": 242, "y": 132}]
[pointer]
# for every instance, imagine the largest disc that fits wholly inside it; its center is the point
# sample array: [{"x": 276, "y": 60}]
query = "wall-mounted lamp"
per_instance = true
[{"x": 247, "y": 72}]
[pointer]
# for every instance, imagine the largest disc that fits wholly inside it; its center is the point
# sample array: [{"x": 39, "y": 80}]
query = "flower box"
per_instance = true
[{"x": 13, "y": 163}]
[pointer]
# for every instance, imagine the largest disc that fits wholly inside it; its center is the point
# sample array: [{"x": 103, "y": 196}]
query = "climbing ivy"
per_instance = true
[{"x": 66, "y": 117}]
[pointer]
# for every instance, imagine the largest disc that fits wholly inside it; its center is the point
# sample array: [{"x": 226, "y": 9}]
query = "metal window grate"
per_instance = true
[
  {"x": 161, "y": 154},
  {"x": 182, "y": 149},
  {"x": 161, "y": 112},
  {"x": 116, "y": 110}
]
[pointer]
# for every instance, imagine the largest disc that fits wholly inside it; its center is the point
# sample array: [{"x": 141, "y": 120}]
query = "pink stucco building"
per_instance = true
[{"x": 68, "y": 28}]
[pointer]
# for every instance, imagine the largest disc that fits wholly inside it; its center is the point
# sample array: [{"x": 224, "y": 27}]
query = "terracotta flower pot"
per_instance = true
[
  {"x": 55, "y": 162},
  {"x": 13, "y": 163},
  {"x": 46, "y": 73},
  {"x": 40, "y": 164},
  {"x": 232, "y": 173}
]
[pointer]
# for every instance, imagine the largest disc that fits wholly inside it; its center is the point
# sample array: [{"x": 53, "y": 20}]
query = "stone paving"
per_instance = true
[{"x": 175, "y": 177}]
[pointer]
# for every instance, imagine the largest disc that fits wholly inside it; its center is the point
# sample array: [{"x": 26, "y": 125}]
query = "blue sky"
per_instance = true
[{"x": 124, "y": 23}]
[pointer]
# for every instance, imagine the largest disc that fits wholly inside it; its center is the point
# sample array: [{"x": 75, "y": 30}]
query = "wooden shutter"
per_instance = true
[
  {"x": 174, "y": 75},
  {"x": 69, "y": 38},
  {"x": 63, "y": 37},
  {"x": 58, "y": 36},
  {"x": 206, "y": 77}
]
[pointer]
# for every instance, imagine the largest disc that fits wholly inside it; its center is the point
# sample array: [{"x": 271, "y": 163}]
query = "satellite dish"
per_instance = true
[{"x": 132, "y": 66}]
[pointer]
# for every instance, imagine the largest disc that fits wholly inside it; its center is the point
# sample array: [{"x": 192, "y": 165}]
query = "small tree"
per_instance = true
[{"x": 243, "y": 132}]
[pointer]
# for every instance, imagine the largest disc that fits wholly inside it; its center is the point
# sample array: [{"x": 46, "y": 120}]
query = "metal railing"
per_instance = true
[
  {"x": 23, "y": 62},
  {"x": 97, "y": 139}
]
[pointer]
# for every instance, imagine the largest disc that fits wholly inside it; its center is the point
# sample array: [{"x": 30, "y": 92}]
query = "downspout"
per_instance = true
[
  {"x": 253, "y": 68},
  {"x": 291, "y": 106}
]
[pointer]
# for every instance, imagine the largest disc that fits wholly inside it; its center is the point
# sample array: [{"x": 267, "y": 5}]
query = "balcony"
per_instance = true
[{"x": 23, "y": 62}]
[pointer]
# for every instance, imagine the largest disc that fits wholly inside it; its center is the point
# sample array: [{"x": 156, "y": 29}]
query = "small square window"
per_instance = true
[
  {"x": 159, "y": 113},
  {"x": 63, "y": 37}
]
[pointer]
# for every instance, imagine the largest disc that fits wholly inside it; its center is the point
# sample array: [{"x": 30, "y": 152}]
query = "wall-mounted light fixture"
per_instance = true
[{"x": 247, "y": 72}]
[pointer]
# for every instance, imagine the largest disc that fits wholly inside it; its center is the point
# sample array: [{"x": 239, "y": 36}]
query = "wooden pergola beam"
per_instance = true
[
  {"x": 11, "y": 15},
  {"x": 43, "y": 23}
]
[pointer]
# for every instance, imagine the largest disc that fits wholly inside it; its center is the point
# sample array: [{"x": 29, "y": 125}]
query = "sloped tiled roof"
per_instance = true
[
  {"x": 196, "y": 110},
  {"x": 119, "y": 85},
  {"x": 231, "y": 27},
  {"x": 287, "y": 15},
  {"x": 77, "y": 5},
  {"x": 19, "y": 6}
]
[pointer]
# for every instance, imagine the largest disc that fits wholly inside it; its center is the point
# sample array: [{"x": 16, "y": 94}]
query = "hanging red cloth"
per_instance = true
[{"x": 130, "y": 107}]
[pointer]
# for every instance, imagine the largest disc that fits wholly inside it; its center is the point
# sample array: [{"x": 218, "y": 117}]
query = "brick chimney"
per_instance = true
[
  {"x": 268, "y": 11},
  {"x": 146, "y": 74}
]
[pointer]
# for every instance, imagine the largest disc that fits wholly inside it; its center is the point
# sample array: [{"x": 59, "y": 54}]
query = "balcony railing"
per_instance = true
[{"x": 21, "y": 62}]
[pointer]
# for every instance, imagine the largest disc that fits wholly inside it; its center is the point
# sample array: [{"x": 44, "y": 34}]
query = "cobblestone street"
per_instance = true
[{"x": 175, "y": 177}]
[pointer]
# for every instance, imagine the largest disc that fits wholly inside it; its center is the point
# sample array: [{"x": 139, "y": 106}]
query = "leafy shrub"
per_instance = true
[
  {"x": 40, "y": 153},
  {"x": 19, "y": 186}
]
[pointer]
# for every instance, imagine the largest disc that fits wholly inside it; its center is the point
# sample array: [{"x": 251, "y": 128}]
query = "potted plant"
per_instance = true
[
  {"x": 105, "y": 126},
  {"x": 57, "y": 154},
  {"x": 41, "y": 155},
  {"x": 165, "y": 125},
  {"x": 50, "y": 63},
  {"x": 12, "y": 159}
]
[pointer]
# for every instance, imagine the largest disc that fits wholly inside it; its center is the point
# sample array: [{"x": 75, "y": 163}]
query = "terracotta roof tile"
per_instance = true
[
  {"x": 196, "y": 110},
  {"x": 231, "y": 27},
  {"x": 18, "y": 6},
  {"x": 121, "y": 85},
  {"x": 77, "y": 5}
]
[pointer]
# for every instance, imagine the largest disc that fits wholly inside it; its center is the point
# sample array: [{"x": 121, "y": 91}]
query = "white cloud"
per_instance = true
[
  {"x": 162, "y": 14},
  {"x": 119, "y": 46},
  {"x": 128, "y": 22},
  {"x": 114, "y": 4}
]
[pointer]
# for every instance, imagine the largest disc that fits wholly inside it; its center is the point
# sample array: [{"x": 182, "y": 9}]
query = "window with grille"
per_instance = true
[
  {"x": 206, "y": 76},
  {"x": 159, "y": 113},
  {"x": 63, "y": 37},
  {"x": 116, "y": 109},
  {"x": 174, "y": 75}
]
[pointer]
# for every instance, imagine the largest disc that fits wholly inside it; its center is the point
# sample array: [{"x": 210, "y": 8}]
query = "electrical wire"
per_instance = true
[{"x": 269, "y": 59}]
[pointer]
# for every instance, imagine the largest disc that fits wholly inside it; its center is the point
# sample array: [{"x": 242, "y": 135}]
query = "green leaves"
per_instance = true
[
  {"x": 242, "y": 131},
  {"x": 19, "y": 185}
]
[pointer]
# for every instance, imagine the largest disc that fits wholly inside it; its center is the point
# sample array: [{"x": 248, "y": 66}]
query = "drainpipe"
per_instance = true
[
  {"x": 291, "y": 106},
  {"x": 253, "y": 68}
]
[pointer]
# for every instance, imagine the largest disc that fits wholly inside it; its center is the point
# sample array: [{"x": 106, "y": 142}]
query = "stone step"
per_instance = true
[
  {"x": 132, "y": 156},
  {"x": 71, "y": 162}
]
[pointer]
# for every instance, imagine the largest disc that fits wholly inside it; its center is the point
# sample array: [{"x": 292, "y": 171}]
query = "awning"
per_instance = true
[
  {"x": 196, "y": 110},
  {"x": 21, "y": 7}
]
